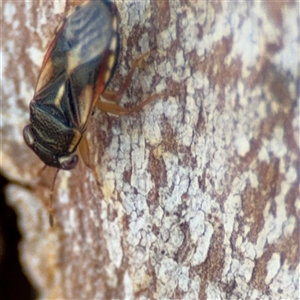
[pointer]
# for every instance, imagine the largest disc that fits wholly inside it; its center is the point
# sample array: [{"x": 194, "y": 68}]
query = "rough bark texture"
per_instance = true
[{"x": 198, "y": 194}]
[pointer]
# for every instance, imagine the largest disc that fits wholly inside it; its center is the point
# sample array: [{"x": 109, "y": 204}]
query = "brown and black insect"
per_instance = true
[{"x": 76, "y": 69}]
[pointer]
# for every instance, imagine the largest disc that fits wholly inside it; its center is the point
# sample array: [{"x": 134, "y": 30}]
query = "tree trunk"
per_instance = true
[{"x": 194, "y": 197}]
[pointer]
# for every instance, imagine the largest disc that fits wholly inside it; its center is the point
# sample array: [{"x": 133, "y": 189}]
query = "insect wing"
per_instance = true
[
  {"x": 89, "y": 32},
  {"x": 76, "y": 61}
]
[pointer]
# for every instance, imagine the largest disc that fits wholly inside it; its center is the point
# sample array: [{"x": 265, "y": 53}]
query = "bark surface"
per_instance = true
[{"x": 194, "y": 197}]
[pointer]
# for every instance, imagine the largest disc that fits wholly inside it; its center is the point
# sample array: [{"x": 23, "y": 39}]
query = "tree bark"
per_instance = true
[{"x": 194, "y": 197}]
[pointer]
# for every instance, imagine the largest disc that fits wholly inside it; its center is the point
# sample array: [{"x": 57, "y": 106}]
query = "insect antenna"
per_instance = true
[{"x": 51, "y": 221}]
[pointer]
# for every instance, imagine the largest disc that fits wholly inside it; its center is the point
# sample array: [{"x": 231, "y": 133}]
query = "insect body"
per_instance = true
[{"x": 76, "y": 70}]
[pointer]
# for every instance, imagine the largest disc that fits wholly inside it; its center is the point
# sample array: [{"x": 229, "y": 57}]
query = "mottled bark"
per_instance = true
[{"x": 196, "y": 196}]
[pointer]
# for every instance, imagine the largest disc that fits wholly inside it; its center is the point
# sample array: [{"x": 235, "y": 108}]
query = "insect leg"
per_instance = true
[
  {"x": 84, "y": 151},
  {"x": 121, "y": 111},
  {"x": 85, "y": 155},
  {"x": 116, "y": 96}
]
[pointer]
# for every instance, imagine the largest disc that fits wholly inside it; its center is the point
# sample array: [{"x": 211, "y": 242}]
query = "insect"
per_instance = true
[
  {"x": 77, "y": 67},
  {"x": 76, "y": 70}
]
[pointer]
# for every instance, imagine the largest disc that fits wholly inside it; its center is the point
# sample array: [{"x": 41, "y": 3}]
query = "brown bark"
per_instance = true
[{"x": 195, "y": 196}]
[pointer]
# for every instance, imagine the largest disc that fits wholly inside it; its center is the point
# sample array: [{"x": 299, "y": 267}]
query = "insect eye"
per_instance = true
[
  {"x": 68, "y": 162},
  {"x": 27, "y": 135}
]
